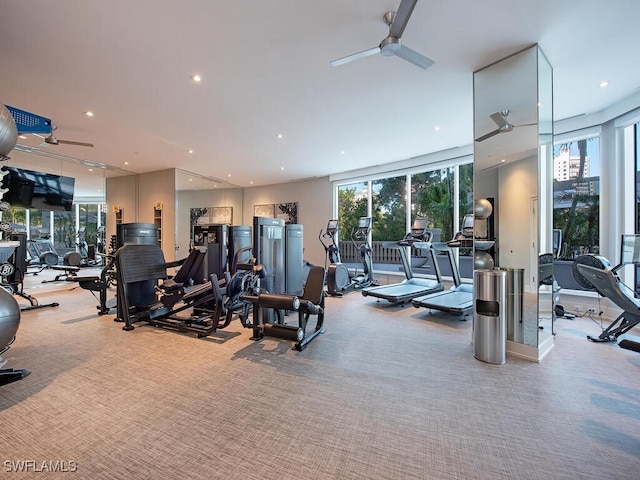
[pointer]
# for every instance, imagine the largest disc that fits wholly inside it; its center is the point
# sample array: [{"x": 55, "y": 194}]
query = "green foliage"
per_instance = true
[
  {"x": 431, "y": 196},
  {"x": 389, "y": 209},
  {"x": 433, "y": 193},
  {"x": 350, "y": 209}
]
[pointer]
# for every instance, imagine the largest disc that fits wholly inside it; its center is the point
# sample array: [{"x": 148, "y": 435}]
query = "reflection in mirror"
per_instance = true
[
  {"x": 513, "y": 137},
  {"x": 62, "y": 222},
  {"x": 203, "y": 200}
]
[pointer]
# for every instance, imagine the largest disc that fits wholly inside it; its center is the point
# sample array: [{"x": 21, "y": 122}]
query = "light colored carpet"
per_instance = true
[{"x": 387, "y": 392}]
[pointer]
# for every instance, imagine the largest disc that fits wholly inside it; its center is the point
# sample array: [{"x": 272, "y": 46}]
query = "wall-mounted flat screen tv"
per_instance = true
[{"x": 43, "y": 191}]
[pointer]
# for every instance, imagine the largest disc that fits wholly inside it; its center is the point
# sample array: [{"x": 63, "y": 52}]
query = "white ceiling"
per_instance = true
[{"x": 265, "y": 68}]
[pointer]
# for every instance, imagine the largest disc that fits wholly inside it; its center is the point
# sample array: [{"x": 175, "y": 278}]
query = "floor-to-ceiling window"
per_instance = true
[
  {"x": 389, "y": 208},
  {"x": 442, "y": 196},
  {"x": 64, "y": 231},
  {"x": 576, "y": 202},
  {"x": 576, "y": 190},
  {"x": 432, "y": 197},
  {"x": 353, "y": 203}
]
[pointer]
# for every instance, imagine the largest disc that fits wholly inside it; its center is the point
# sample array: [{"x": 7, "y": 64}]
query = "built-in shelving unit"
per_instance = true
[
  {"x": 119, "y": 214},
  {"x": 157, "y": 220}
]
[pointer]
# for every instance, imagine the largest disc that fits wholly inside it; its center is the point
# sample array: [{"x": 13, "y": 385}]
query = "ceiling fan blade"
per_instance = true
[
  {"x": 412, "y": 56},
  {"x": 498, "y": 118},
  {"x": 488, "y": 135},
  {"x": 355, "y": 56},
  {"x": 402, "y": 17},
  {"x": 78, "y": 144}
]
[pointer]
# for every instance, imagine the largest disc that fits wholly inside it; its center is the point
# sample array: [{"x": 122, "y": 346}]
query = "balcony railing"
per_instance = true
[{"x": 350, "y": 254}]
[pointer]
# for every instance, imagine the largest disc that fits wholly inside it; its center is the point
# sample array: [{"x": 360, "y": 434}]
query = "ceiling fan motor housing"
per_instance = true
[{"x": 389, "y": 46}]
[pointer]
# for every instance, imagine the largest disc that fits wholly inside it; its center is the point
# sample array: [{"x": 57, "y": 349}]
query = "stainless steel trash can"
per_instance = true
[
  {"x": 515, "y": 303},
  {"x": 489, "y": 316}
]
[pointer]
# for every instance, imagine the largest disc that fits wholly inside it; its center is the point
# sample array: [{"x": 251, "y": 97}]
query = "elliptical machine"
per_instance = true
[
  {"x": 360, "y": 240},
  {"x": 339, "y": 280},
  {"x": 338, "y": 277}
]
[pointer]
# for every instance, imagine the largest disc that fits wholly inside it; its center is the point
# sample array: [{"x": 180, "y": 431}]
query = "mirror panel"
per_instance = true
[
  {"x": 512, "y": 152},
  {"x": 545, "y": 194},
  {"x": 203, "y": 200}
]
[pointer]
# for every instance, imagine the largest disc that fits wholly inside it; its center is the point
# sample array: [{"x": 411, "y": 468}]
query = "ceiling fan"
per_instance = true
[
  {"x": 51, "y": 139},
  {"x": 391, "y": 44},
  {"x": 501, "y": 119}
]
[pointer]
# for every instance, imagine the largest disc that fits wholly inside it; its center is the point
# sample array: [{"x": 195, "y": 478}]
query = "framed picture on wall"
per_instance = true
[
  {"x": 267, "y": 210},
  {"x": 288, "y": 212},
  {"x": 199, "y": 216},
  {"x": 223, "y": 215}
]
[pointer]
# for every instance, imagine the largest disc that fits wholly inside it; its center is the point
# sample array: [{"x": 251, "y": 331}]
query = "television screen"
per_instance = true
[{"x": 43, "y": 191}]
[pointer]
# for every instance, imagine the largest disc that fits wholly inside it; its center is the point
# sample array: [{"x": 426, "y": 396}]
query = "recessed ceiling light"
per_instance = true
[
  {"x": 436, "y": 128},
  {"x": 126, "y": 163},
  {"x": 196, "y": 78},
  {"x": 89, "y": 113},
  {"x": 502, "y": 161},
  {"x": 279, "y": 135},
  {"x": 191, "y": 179},
  {"x": 341, "y": 152},
  {"x": 604, "y": 83},
  {"x": 281, "y": 168},
  {"x": 251, "y": 182},
  {"x": 190, "y": 151},
  {"x": 228, "y": 175},
  {"x": 91, "y": 169}
]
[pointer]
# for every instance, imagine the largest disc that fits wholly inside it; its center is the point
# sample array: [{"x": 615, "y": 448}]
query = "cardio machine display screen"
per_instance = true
[{"x": 630, "y": 249}]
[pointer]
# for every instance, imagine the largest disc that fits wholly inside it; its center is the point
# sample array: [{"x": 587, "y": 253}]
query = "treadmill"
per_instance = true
[
  {"x": 458, "y": 300},
  {"x": 411, "y": 287}
]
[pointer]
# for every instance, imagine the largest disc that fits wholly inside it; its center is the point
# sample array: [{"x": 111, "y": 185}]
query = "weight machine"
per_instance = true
[
  {"x": 145, "y": 293},
  {"x": 311, "y": 302}
]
